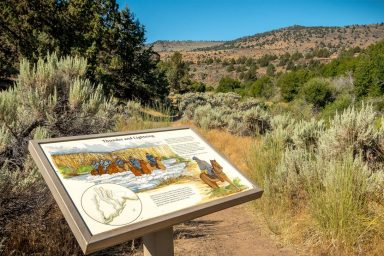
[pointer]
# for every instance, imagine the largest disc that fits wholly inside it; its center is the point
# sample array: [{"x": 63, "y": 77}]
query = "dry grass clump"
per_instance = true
[
  {"x": 333, "y": 175},
  {"x": 233, "y": 147},
  {"x": 137, "y": 117}
]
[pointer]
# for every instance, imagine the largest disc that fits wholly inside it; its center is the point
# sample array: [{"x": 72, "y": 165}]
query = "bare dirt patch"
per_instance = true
[{"x": 234, "y": 231}]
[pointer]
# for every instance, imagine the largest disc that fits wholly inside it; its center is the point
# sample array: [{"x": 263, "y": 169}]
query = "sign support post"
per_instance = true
[{"x": 159, "y": 243}]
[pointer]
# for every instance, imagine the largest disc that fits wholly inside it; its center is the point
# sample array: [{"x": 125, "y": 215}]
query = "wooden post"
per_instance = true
[{"x": 159, "y": 243}]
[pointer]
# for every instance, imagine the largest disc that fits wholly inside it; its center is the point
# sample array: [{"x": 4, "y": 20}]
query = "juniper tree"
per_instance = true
[
  {"x": 177, "y": 72},
  {"x": 112, "y": 40}
]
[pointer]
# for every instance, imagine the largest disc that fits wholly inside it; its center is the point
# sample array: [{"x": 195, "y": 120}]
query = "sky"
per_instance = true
[{"x": 231, "y": 19}]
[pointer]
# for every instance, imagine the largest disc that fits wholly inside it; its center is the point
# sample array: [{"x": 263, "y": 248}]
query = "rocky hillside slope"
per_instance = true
[{"x": 210, "y": 59}]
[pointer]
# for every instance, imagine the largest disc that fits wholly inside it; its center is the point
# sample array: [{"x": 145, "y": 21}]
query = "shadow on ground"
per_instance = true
[{"x": 194, "y": 229}]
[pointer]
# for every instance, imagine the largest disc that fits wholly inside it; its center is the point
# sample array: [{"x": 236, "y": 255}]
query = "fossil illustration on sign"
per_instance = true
[{"x": 111, "y": 204}]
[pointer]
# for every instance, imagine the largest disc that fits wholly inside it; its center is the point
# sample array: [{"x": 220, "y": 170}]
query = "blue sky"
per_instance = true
[{"x": 230, "y": 19}]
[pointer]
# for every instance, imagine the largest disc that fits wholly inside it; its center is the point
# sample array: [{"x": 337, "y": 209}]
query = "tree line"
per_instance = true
[
  {"x": 112, "y": 40},
  {"x": 360, "y": 77}
]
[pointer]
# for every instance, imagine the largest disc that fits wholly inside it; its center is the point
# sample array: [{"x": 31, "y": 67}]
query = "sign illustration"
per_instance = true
[
  {"x": 115, "y": 187},
  {"x": 111, "y": 204}
]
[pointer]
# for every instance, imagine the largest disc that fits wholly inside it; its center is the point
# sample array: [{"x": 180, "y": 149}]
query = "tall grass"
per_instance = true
[
  {"x": 339, "y": 202},
  {"x": 332, "y": 179},
  {"x": 138, "y": 117},
  {"x": 262, "y": 162}
]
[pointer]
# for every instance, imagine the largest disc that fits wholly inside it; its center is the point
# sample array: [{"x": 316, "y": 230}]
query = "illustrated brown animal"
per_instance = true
[
  {"x": 134, "y": 170},
  {"x": 100, "y": 170},
  {"x": 218, "y": 169},
  {"x": 212, "y": 182},
  {"x": 147, "y": 169},
  {"x": 113, "y": 168}
]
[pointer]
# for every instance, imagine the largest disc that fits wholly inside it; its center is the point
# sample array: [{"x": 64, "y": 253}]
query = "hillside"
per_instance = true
[
  {"x": 300, "y": 38},
  {"x": 209, "y": 63},
  {"x": 171, "y": 46}
]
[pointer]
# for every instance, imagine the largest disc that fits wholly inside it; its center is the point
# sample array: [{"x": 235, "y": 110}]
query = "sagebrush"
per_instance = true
[{"x": 333, "y": 174}]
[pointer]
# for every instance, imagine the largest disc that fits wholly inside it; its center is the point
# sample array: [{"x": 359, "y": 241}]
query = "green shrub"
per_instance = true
[
  {"x": 296, "y": 56},
  {"x": 341, "y": 103},
  {"x": 317, "y": 91},
  {"x": 228, "y": 84},
  {"x": 188, "y": 102},
  {"x": 211, "y": 118},
  {"x": 369, "y": 73},
  {"x": 198, "y": 87},
  {"x": 230, "y": 68},
  {"x": 291, "y": 82},
  {"x": 262, "y": 87},
  {"x": 342, "y": 85},
  {"x": 271, "y": 69},
  {"x": 284, "y": 58},
  {"x": 249, "y": 103},
  {"x": 306, "y": 134},
  {"x": 251, "y": 122},
  {"x": 251, "y": 74},
  {"x": 266, "y": 59}
]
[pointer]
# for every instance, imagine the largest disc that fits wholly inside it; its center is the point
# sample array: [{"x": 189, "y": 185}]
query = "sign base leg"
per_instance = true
[{"x": 159, "y": 243}]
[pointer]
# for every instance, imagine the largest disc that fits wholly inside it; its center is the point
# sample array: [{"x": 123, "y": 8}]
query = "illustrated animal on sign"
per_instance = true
[
  {"x": 151, "y": 160},
  {"x": 105, "y": 165},
  {"x": 135, "y": 166},
  {"x": 145, "y": 167},
  {"x": 101, "y": 169},
  {"x": 115, "y": 166},
  {"x": 207, "y": 175},
  {"x": 218, "y": 169},
  {"x": 95, "y": 170},
  {"x": 212, "y": 173}
]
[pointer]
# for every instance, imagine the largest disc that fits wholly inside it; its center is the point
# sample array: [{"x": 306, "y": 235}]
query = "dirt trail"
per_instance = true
[{"x": 234, "y": 231}]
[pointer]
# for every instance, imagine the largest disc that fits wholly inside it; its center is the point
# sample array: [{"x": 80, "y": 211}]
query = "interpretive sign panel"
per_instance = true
[{"x": 119, "y": 186}]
